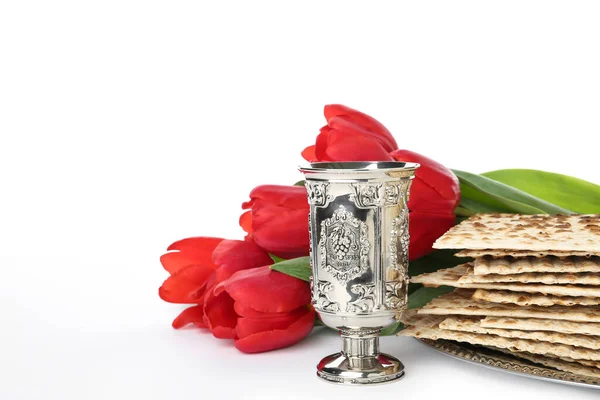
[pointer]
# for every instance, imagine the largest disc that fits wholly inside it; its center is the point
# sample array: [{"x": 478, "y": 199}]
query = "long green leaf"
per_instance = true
[
  {"x": 514, "y": 199},
  {"x": 477, "y": 207},
  {"x": 470, "y": 197},
  {"x": 392, "y": 329},
  {"x": 417, "y": 299},
  {"x": 461, "y": 211},
  {"x": 300, "y": 268},
  {"x": 565, "y": 191},
  {"x": 275, "y": 258},
  {"x": 436, "y": 260},
  {"x": 296, "y": 267}
]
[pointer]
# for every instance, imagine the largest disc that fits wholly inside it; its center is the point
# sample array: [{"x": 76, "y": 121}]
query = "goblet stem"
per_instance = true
[{"x": 357, "y": 344}]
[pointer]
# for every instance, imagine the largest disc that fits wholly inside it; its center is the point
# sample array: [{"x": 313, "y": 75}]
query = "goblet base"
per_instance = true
[{"x": 372, "y": 370}]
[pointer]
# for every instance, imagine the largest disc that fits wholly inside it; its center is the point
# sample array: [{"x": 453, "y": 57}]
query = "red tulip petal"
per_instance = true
[
  {"x": 199, "y": 244},
  {"x": 211, "y": 281},
  {"x": 279, "y": 219},
  {"x": 173, "y": 262},
  {"x": 267, "y": 291},
  {"x": 248, "y": 204},
  {"x": 236, "y": 251},
  {"x": 321, "y": 144},
  {"x": 249, "y": 326},
  {"x": 220, "y": 315},
  {"x": 280, "y": 195},
  {"x": 277, "y": 339},
  {"x": 192, "y": 315},
  {"x": 352, "y": 136},
  {"x": 237, "y": 255},
  {"x": 246, "y": 221},
  {"x": 346, "y": 146},
  {"x": 186, "y": 285},
  {"x": 244, "y": 311},
  {"x": 365, "y": 121},
  {"x": 425, "y": 229},
  {"x": 346, "y": 126},
  {"x": 309, "y": 154},
  {"x": 435, "y": 187},
  {"x": 286, "y": 233},
  {"x": 192, "y": 251}
]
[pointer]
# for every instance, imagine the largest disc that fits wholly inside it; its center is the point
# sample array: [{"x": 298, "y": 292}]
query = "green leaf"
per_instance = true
[
  {"x": 513, "y": 199},
  {"x": 296, "y": 267},
  {"x": 275, "y": 258},
  {"x": 463, "y": 212},
  {"x": 419, "y": 298},
  {"x": 392, "y": 329},
  {"x": 477, "y": 207},
  {"x": 424, "y": 295},
  {"x": 470, "y": 197},
  {"x": 299, "y": 183},
  {"x": 565, "y": 191},
  {"x": 436, "y": 260},
  {"x": 460, "y": 219}
]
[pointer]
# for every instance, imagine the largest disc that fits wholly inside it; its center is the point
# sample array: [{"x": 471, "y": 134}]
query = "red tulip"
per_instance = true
[
  {"x": 261, "y": 309},
  {"x": 189, "y": 261},
  {"x": 278, "y": 220},
  {"x": 434, "y": 194},
  {"x": 197, "y": 264},
  {"x": 351, "y": 136}
]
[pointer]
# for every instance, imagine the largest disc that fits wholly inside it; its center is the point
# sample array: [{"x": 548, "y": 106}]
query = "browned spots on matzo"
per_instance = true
[
  {"x": 563, "y": 226},
  {"x": 547, "y": 234}
]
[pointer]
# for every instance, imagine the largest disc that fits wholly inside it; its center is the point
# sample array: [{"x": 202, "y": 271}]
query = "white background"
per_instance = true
[{"x": 126, "y": 125}]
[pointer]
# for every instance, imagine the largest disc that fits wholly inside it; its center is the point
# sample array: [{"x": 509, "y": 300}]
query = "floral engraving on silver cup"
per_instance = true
[
  {"x": 317, "y": 193},
  {"x": 395, "y": 294},
  {"x": 366, "y": 298},
  {"x": 392, "y": 194},
  {"x": 344, "y": 245},
  {"x": 399, "y": 241},
  {"x": 366, "y": 195},
  {"x": 322, "y": 300},
  {"x": 395, "y": 289}
]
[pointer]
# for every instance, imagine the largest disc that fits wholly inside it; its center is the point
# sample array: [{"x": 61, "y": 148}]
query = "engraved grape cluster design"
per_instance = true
[{"x": 341, "y": 241}]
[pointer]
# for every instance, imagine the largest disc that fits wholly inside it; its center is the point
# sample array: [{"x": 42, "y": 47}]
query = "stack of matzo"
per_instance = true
[{"x": 533, "y": 289}]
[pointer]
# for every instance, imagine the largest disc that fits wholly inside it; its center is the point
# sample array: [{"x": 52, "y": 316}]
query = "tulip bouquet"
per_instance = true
[{"x": 255, "y": 291}]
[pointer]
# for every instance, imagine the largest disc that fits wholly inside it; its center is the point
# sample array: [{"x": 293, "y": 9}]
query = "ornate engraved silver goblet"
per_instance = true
[{"x": 359, "y": 257}]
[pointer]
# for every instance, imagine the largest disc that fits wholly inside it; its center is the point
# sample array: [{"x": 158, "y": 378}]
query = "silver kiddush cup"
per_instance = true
[{"x": 359, "y": 240}]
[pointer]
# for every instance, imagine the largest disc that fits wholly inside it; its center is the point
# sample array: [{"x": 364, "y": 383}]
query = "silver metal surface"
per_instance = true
[
  {"x": 359, "y": 240},
  {"x": 490, "y": 358}
]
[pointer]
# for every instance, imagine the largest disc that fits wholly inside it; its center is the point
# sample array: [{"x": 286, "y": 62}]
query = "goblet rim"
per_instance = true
[{"x": 359, "y": 166}]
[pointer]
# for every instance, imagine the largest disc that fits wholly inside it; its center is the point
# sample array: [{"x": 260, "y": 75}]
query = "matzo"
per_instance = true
[
  {"x": 573, "y": 367},
  {"x": 428, "y": 328},
  {"x": 510, "y": 265},
  {"x": 542, "y": 324},
  {"x": 572, "y": 233},
  {"x": 461, "y": 304},
  {"x": 547, "y": 278},
  {"x": 498, "y": 253},
  {"x": 466, "y": 324},
  {"x": 454, "y": 277},
  {"x": 589, "y": 363},
  {"x": 532, "y": 299}
]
